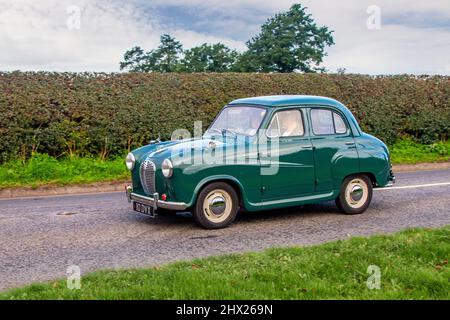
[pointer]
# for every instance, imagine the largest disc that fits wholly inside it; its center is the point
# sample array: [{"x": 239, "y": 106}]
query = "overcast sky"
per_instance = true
[{"x": 413, "y": 35}]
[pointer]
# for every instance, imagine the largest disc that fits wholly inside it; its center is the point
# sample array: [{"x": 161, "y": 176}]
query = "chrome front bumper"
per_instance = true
[
  {"x": 154, "y": 202},
  {"x": 391, "y": 178}
]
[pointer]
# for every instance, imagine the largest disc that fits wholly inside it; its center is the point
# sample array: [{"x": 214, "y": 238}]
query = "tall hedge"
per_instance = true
[{"x": 85, "y": 113}]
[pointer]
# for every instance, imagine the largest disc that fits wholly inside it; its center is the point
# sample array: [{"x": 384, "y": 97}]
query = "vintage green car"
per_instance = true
[{"x": 262, "y": 153}]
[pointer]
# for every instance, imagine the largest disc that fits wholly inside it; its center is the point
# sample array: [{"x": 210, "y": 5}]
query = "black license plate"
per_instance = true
[{"x": 144, "y": 209}]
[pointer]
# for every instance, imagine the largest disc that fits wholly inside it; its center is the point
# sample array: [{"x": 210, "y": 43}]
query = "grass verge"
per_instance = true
[
  {"x": 407, "y": 151},
  {"x": 45, "y": 170},
  {"x": 413, "y": 265}
]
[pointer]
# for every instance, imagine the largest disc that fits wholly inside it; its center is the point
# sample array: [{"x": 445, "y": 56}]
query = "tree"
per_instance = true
[
  {"x": 290, "y": 41},
  {"x": 166, "y": 57},
  {"x": 163, "y": 59},
  {"x": 208, "y": 58},
  {"x": 133, "y": 60}
]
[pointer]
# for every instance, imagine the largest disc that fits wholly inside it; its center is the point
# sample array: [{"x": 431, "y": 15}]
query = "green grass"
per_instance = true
[
  {"x": 45, "y": 170},
  {"x": 413, "y": 265},
  {"x": 407, "y": 151}
]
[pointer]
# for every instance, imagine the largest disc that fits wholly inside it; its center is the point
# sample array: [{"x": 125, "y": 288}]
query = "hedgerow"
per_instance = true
[{"x": 106, "y": 114}]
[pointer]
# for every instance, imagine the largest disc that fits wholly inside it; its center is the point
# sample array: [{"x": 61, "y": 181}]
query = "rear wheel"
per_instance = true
[
  {"x": 355, "y": 194},
  {"x": 216, "y": 207}
]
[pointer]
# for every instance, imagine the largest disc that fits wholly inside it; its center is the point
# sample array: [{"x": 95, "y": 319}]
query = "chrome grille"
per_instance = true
[{"x": 147, "y": 173}]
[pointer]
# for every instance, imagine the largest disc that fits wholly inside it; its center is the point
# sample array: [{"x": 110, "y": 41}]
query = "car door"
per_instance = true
[
  {"x": 335, "y": 151},
  {"x": 288, "y": 158}
]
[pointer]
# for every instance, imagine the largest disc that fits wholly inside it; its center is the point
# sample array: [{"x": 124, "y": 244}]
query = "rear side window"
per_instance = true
[{"x": 327, "y": 122}]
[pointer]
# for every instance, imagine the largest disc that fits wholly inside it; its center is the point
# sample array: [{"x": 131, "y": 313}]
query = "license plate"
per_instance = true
[{"x": 144, "y": 209}]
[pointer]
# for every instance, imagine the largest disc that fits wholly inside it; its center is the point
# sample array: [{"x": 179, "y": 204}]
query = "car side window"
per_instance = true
[
  {"x": 339, "y": 124},
  {"x": 287, "y": 123},
  {"x": 327, "y": 122}
]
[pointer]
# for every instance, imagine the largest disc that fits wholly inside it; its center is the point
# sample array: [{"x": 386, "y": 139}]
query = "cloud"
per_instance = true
[
  {"x": 401, "y": 45},
  {"x": 34, "y": 35}
]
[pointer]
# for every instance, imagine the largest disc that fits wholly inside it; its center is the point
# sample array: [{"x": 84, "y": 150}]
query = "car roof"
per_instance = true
[
  {"x": 287, "y": 100},
  {"x": 299, "y": 100}
]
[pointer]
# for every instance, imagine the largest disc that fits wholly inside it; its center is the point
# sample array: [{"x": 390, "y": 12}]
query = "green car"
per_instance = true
[{"x": 262, "y": 153}]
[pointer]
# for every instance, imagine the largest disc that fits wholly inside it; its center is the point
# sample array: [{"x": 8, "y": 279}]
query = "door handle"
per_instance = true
[
  {"x": 350, "y": 143},
  {"x": 307, "y": 148}
]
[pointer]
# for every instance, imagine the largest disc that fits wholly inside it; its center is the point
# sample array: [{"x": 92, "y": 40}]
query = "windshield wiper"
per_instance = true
[
  {"x": 215, "y": 129},
  {"x": 223, "y": 131}
]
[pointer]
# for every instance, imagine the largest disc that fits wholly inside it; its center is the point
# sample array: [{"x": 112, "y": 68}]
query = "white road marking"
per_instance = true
[{"x": 417, "y": 186}]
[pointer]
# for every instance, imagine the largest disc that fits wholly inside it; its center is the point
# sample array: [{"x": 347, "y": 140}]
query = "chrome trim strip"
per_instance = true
[{"x": 293, "y": 200}]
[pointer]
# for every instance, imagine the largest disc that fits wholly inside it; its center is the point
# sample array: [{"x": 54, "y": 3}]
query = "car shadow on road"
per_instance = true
[{"x": 297, "y": 212}]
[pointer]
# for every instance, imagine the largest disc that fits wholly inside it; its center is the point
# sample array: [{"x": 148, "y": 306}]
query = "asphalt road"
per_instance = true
[{"x": 41, "y": 237}]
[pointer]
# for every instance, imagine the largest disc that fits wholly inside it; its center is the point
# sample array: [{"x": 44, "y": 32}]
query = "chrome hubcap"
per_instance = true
[
  {"x": 217, "y": 205},
  {"x": 357, "y": 193}
]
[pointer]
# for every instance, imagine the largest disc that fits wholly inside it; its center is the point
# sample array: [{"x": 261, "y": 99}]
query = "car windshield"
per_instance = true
[{"x": 238, "y": 120}]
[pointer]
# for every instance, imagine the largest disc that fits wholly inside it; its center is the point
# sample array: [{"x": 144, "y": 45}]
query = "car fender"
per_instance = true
[{"x": 215, "y": 178}]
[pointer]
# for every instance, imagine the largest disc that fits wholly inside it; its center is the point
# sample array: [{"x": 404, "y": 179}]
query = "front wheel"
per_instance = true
[
  {"x": 217, "y": 206},
  {"x": 355, "y": 195}
]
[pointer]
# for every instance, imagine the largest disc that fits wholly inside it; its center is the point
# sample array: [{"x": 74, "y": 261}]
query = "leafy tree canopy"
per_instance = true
[
  {"x": 208, "y": 58},
  {"x": 290, "y": 41},
  {"x": 133, "y": 60},
  {"x": 163, "y": 59}
]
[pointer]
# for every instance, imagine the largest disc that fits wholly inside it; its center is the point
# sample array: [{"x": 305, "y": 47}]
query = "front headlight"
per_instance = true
[
  {"x": 167, "y": 168},
  {"x": 130, "y": 161}
]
